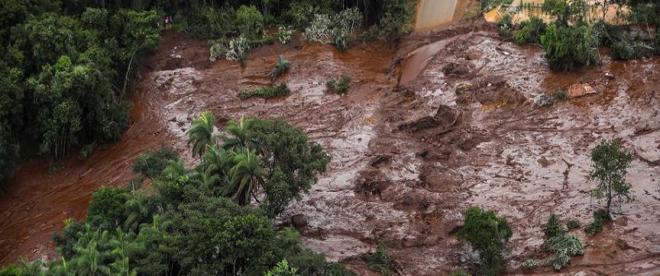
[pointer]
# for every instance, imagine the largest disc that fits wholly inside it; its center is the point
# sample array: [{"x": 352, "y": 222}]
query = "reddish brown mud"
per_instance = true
[{"x": 463, "y": 129}]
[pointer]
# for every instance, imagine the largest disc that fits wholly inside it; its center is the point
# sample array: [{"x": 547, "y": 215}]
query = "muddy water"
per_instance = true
[{"x": 405, "y": 162}]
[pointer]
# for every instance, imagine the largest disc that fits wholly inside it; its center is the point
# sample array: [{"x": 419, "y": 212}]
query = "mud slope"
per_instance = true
[{"x": 406, "y": 160}]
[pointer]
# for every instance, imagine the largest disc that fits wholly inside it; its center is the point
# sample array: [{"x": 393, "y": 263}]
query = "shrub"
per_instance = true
[
  {"x": 218, "y": 49},
  {"x": 564, "y": 246},
  {"x": 601, "y": 216},
  {"x": 487, "y": 5},
  {"x": 266, "y": 92},
  {"x": 301, "y": 13},
  {"x": 553, "y": 228},
  {"x": 396, "y": 18},
  {"x": 284, "y": 34},
  {"x": 249, "y": 21},
  {"x": 282, "y": 66},
  {"x": 320, "y": 30},
  {"x": 530, "y": 31},
  {"x": 282, "y": 269},
  {"x": 379, "y": 260},
  {"x": 209, "y": 22},
  {"x": 505, "y": 26},
  {"x": 569, "y": 47},
  {"x": 625, "y": 50},
  {"x": 560, "y": 95},
  {"x": 238, "y": 49},
  {"x": 487, "y": 234},
  {"x": 339, "y": 87},
  {"x": 152, "y": 163},
  {"x": 573, "y": 224},
  {"x": 530, "y": 264}
]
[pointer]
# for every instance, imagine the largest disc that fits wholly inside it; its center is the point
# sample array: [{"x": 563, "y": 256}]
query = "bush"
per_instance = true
[
  {"x": 573, "y": 224},
  {"x": 339, "y": 87},
  {"x": 560, "y": 95},
  {"x": 152, "y": 163},
  {"x": 238, "y": 49},
  {"x": 379, "y": 260},
  {"x": 601, "y": 216},
  {"x": 218, "y": 49},
  {"x": 567, "y": 48},
  {"x": 210, "y": 22},
  {"x": 320, "y": 30},
  {"x": 282, "y": 269},
  {"x": 487, "y": 5},
  {"x": 487, "y": 234},
  {"x": 530, "y": 264},
  {"x": 530, "y": 31},
  {"x": 505, "y": 26},
  {"x": 282, "y": 66},
  {"x": 626, "y": 50},
  {"x": 249, "y": 21},
  {"x": 301, "y": 13},
  {"x": 284, "y": 34},
  {"x": 396, "y": 19},
  {"x": 553, "y": 228},
  {"x": 564, "y": 247},
  {"x": 266, "y": 92}
]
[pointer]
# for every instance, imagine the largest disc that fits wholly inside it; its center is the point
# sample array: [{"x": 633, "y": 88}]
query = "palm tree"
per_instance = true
[
  {"x": 89, "y": 260},
  {"x": 200, "y": 133},
  {"x": 244, "y": 177},
  {"x": 216, "y": 163},
  {"x": 238, "y": 134}
]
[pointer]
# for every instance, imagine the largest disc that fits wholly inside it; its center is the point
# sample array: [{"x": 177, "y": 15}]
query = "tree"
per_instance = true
[
  {"x": 152, "y": 163},
  {"x": 245, "y": 177},
  {"x": 282, "y": 269},
  {"x": 200, "y": 134},
  {"x": 487, "y": 234},
  {"x": 569, "y": 47},
  {"x": 250, "y": 22},
  {"x": 609, "y": 166}
]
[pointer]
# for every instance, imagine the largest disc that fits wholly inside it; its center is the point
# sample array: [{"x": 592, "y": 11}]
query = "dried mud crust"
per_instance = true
[{"x": 509, "y": 155}]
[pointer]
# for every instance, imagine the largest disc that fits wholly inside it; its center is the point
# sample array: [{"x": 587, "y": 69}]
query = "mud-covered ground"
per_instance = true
[{"x": 462, "y": 129}]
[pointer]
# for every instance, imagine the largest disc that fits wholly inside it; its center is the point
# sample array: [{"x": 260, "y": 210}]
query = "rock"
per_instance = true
[
  {"x": 298, "y": 221},
  {"x": 445, "y": 117},
  {"x": 580, "y": 89},
  {"x": 380, "y": 159},
  {"x": 543, "y": 100},
  {"x": 609, "y": 75}
]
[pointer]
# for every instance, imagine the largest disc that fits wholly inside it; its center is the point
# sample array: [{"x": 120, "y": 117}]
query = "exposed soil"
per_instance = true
[{"x": 461, "y": 129}]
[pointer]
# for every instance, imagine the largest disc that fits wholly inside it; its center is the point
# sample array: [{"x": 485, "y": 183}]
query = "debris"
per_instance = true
[{"x": 580, "y": 89}]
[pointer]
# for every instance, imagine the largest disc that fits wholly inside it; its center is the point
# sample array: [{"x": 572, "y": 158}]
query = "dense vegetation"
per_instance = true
[
  {"x": 235, "y": 27},
  {"x": 65, "y": 72},
  {"x": 213, "y": 219},
  {"x": 487, "y": 234},
  {"x": 572, "y": 40}
]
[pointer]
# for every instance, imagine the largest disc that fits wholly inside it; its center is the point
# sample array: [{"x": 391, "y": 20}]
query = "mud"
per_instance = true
[{"x": 407, "y": 158}]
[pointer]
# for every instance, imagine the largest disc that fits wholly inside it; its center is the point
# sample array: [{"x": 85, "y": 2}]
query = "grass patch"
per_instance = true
[
  {"x": 281, "y": 67},
  {"x": 560, "y": 95},
  {"x": 340, "y": 86},
  {"x": 573, "y": 224},
  {"x": 265, "y": 92},
  {"x": 600, "y": 218}
]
